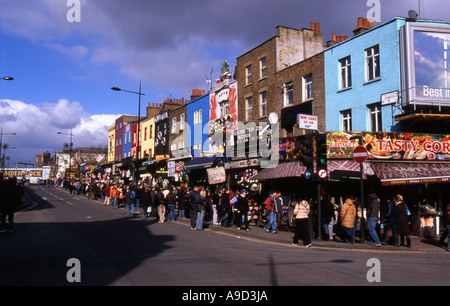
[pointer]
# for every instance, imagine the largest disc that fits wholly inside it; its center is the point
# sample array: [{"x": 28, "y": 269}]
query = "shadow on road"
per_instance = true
[{"x": 38, "y": 251}]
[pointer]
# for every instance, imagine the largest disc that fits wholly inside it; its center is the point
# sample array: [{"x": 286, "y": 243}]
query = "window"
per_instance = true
[
  {"x": 224, "y": 108},
  {"x": 346, "y": 120},
  {"x": 263, "y": 104},
  {"x": 181, "y": 144},
  {"x": 248, "y": 75},
  {"x": 198, "y": 146},
  {"x": 150, "y": 133},
  {"x": 198, "y": 116},
  {"x": 145, "y": 133},
  {"x": 248, "y": 108},
  {"x": 307, "y": 87},
  {"x": 345, "y": 72},
  {"x": 375, "y": 117},
  {"x": 372, "y": 63},
  {"x": 174, "y": 125},
  {"x": 262, "y": 68},
  {"x": 182, "y": 122},
  {"x": 288, "y": 94}
]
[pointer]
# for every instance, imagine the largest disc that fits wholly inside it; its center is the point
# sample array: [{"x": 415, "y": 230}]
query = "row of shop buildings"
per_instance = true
[{"x": 385, "y": 88}]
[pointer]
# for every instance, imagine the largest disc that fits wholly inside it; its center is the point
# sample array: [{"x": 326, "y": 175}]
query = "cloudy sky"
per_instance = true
[{"x": 64, "y": 70}]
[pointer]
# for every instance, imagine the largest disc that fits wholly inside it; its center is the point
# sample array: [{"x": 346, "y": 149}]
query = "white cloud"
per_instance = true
[{"x": 36, "y": 127}]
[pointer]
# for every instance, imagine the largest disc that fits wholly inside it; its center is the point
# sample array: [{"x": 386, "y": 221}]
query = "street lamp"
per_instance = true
[
  {"x": 70, "y": 149},
  {"x": 7, "y": 78},
  {"x": 139, "y": 114},
  {"x": 1, "y": 144},
  {"x": 4, "y": 157}
]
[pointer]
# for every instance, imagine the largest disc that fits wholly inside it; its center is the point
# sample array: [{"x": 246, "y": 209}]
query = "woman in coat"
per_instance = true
[
  {"x": 404, "y": 221},
  {"x": 347, "y": 215},
  {"x": 301, "y": 212}
]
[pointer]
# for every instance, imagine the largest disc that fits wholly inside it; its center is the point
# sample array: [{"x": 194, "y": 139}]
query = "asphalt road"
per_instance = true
[{"x": 113, "y": 249}]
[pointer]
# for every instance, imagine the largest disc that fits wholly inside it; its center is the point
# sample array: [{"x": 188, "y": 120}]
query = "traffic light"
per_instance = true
[
  {"x": 308, "y": 152},
  {"x": 321, "y": 151}
]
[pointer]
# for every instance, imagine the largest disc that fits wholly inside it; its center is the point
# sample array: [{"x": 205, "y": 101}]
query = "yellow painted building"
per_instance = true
[
  {"x": 148, "y": 137},
  {"x": 111, "y": 143}
]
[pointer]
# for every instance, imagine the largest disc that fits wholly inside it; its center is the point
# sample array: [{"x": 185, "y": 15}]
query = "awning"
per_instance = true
[
  {"x": 282, "y": 170},
  {"x": 149, "y": 162},
  {"x": 200, "y": 163},
  {"x": 344, "y": 168},
  {"x": 411, "y": 173}
]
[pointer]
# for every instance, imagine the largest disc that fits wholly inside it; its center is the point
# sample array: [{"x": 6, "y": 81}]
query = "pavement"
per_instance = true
[{"x": 284, "y": 236}]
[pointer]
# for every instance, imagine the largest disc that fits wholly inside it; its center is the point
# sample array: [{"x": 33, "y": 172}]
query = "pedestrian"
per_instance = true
[
  {"x": 445, "y": 234},
  {"x": 194, "y": 201},
  {"x": 242, "y": 210},
  {"x": 373, "y": 212},
  {"x": 327, "y": 213},
  {"x": 160, "y": 202},
  {"x": 201, "y": 209},
  {"x": 348, "y": 215},
  {"x": 391, "y": 222},
  {"x": 107, "y": 193},
  {"x": 404, "y": 221},
  {"x": 146, "y": 201},
  {"x": 114, "y": 193},
  {"x": 129, "y": 200},
  {"x": 90, "y": 191},
  {"x": 271, "y": 210},
  {"x": 181, "y": 201},
  {"x": 171, "y": 200},
  {"x": 224, "y": 210},
  {"x": 9, "y": 200},
  {"x": 301, "y": 212}
]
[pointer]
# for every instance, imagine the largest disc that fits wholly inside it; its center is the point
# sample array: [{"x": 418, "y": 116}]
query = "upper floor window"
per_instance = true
[
  {"x": 375, "y": 118},
  {"x": 182, "y": 122},
  {"x": 248, "y": 108},
  {"x": 198, "y": 116},
  {"x": 345, "y": 72},
  {"x": 174, "y": 125},
  {"x": 248, "y": 75},
  {"x": 346, "y": 120},
  {"x": 372, "y": 63},
  {"x": 262, "y": 68},
  {"x": 307, "y": 87},
  {"x": 263, "y": 104},
  {"x": 288, "y": 94}
]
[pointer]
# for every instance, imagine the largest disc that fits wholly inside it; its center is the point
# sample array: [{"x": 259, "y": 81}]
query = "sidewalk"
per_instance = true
[{"x": 419, "y": 244}]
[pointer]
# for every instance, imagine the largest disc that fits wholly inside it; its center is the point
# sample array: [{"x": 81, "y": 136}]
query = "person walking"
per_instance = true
[
  {"x": 404, "y": 221},
  {"x": 224, "y": 210},
  {"x": 114, "y": 193},
  {"x": 160, "y": 202},
  {"x": 301, "y": 213},
  {"x": 181, "y": 201},
  {"x": 348, "y": 215},
  {"x": 373, "y": 211},
  {"x": 107, "y": 193},
  {"x": 271, "y": 209},
  {"x": 201, "y": 210},
  {"x": 445, "y": 234},
  {"x": 391, "y": 222},
  {"x": 242, "y": 210},
  {"x": 171, "y": 200},
  {"x": 9, "y": 200},
  {"x": 194, "y": 201},
  {"x": 129, "y": 200},
  {"x": 146, "y": 201}
]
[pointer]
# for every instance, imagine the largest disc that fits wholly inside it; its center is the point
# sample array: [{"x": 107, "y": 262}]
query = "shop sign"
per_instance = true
[
  {"x": 340, "y": 145},
  {"x": 162, "y": 116},
  {"x": 216, "y": 175},
  {"x": 170, "y": 168},
  {"x": 307, "y": 122},
  {"x": 408, "y": 146}
]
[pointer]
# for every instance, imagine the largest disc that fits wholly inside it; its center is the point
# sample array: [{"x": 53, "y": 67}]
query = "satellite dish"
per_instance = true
[
  {"x": 413, "y": 14},
  {"x": 273, "y": 118}
]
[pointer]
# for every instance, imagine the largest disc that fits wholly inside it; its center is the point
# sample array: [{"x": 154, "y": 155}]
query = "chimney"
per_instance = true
[
  {"x": 313, "y": 26},
  {"x": 362, "y": 26},
  {"x": 196, "y": 93}
]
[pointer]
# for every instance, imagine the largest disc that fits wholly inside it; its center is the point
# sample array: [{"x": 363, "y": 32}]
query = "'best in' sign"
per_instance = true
[{"x": 307, "y": 122}]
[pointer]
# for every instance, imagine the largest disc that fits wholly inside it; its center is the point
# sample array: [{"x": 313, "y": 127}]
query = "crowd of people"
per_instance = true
[{"x": 227, "y": 207}]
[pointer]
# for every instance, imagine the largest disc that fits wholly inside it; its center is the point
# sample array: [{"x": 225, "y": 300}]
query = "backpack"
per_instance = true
[{"x": 133, "y": 195}]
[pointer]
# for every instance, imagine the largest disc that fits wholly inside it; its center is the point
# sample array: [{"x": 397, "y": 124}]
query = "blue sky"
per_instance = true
[{"x": 64, "y": 71}]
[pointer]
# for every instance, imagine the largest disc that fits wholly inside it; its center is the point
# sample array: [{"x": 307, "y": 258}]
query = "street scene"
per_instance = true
[{"x": 171, "y": 144}]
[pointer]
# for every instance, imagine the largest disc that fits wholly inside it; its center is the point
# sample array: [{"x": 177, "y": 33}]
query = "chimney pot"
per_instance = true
[
  {"x": 318, "y": 27},
  {"x": 360, "y": 21},
  {"x": 365, "y": 22},
  {"x": 313, "y": 26},
  {"x": 334, "y": 37}
]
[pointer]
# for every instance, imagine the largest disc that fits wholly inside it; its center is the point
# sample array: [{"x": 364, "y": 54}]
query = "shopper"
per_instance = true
[
  {"x": 373, "y": 211},
  {"x": 242, "y": 211},
  {"x": 348, "y": 215},
  {"x": 194, "y": 201},
  {"x": 404, "y": 221},
  {"x": 271, "y": 212},
  {"x": 129, "y": 200},
  {"x": 301, "y": 213},
  {"x": 445, "y": 234},
  {"x": 146, "y": 201},
  {"x": 201, "y": 210},
  {"x": 224, "y": 210},
  {"x": 181, "y": 201},
  {"x": 391, "y": 223},
  {"x": 170, "y": 202}
]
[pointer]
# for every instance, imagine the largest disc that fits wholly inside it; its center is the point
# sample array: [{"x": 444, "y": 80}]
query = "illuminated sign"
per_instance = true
[{"x": 426, "y": 63}]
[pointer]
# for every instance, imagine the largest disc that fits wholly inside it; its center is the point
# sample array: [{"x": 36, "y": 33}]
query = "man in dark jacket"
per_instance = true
[
  {"x": 447, "y": 228},
  {"x": 391, "y": 223},
  {"x": 146, "y": 201},
  {"x": 373, "y": 210},
  {"x": 194, "y": 201},
  {"x": 242, "y": 210},
  {"x": 9, "y": 200}
]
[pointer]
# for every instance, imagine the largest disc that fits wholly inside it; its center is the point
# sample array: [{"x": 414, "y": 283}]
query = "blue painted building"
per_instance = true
[
  {"x": 197, "y": 125},
  {"x": 382, "y": 78},
  {"x": 127, "y": 139}
]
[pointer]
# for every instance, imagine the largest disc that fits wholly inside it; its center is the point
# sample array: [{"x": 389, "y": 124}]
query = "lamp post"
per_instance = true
[
  {"x": 1, "y": 144},
  {"x": 70, "y": 149},
  {"x": 138, "y": 151}
]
